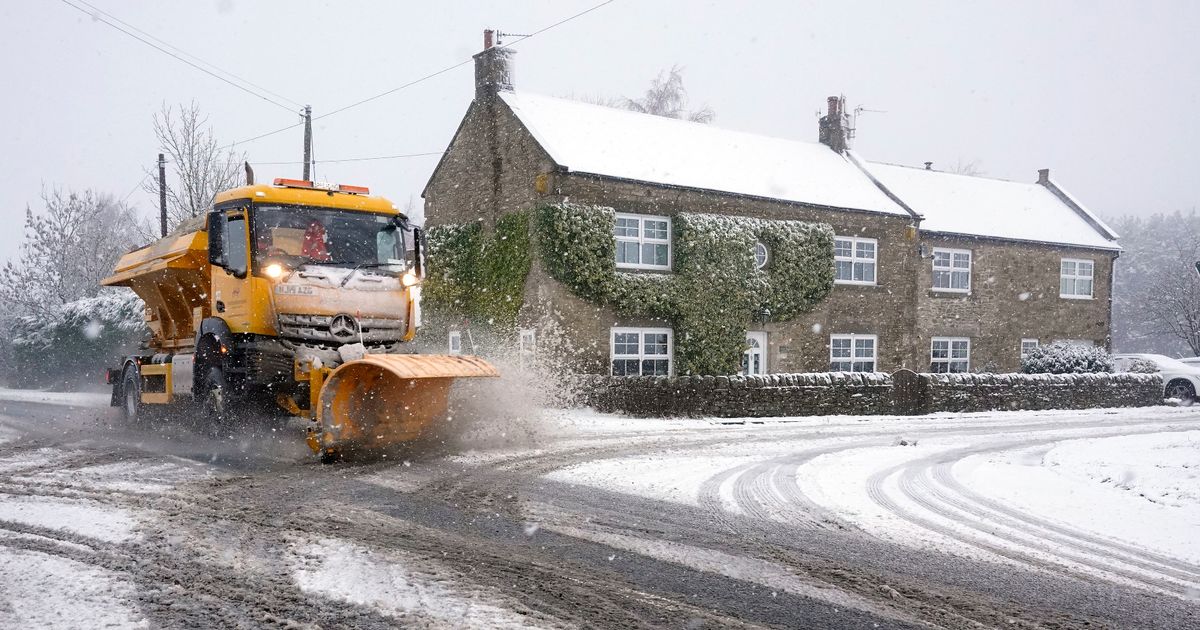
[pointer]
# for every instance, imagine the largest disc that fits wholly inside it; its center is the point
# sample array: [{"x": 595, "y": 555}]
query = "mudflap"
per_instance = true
[{"x": 382, "y": 400}]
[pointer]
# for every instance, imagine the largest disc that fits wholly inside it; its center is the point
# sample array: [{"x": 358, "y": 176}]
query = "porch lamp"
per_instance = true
[{"x": 764, "y": 313}]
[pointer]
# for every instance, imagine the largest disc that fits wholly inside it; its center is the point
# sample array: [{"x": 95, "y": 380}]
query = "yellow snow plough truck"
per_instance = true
[{"x": 295, "y": 299}]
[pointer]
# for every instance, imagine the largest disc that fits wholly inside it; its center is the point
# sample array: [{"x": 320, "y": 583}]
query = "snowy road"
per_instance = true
[{"x": 1014, "y": 520}]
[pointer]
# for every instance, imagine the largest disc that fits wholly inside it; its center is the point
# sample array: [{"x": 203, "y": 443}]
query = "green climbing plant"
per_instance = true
[
  {"x": 477, "y": 276},
  {"x": 714, "y": 289}
]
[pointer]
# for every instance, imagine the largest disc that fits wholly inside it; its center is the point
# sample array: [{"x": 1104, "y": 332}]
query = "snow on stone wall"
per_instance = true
[{"x": 833, "y": 393}]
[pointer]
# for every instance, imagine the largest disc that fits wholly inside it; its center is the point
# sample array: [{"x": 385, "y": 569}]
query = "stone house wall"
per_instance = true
[{"x": 1014, "y": 295}]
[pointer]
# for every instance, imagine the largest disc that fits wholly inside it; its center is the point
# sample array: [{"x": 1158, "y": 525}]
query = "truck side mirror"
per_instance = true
[
  {"x": 216, "y": 239},
  {"x": 419, "y": 252}
]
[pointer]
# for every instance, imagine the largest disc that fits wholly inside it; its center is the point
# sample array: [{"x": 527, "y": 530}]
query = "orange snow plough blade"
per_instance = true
[{"x": 386, "y": 399}]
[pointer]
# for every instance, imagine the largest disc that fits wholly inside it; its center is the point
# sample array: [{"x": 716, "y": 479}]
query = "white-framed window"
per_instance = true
[
  {"x": 952, "y": 270},
  {"x": 641, "y": 351},
  {"x": 1027, "y": 346},
  {"x": 854, "y": 260},
  {"x": 1075, "y": 278},
  {"x": 454, "y": 342},
  {"x": 760, "y": 255},
  {"x": 643, "y": 241},
  {"x": 852, "y": 353},
  {"x": 950, "y": 354}
]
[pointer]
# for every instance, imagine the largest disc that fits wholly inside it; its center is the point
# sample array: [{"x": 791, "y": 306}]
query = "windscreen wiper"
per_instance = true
[{"x": 364, "y": 266}]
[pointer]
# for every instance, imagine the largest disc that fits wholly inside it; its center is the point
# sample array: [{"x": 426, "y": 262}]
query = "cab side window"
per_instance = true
[{"x": 236, "y": 259}]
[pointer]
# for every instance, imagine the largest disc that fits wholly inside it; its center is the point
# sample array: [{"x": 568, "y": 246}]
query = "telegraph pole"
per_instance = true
[
  {"x": 307, "y": 141},
  {"x": 162, "y": 194}
]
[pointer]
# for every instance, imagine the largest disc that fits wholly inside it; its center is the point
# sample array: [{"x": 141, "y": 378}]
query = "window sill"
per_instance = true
[
  {"x": 621, "y": 267},
  {"x": 851, "y": 283},
  {"x": 1076, "y": 297},
  {"x": 950, "y": 293}
]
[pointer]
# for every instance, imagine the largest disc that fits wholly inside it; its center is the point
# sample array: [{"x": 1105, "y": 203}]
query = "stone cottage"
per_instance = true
[{"x": 929, "y": 271}]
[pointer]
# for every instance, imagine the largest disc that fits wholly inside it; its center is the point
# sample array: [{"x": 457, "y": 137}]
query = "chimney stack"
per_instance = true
[
  {"x": 493, "y": 71},
  {"x": 832, "y": 129},
  {"x": 1043, "y": 176}
]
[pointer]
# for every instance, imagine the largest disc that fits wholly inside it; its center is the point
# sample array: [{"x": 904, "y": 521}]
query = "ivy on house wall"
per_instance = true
[
  {"x": 476, "y": 276},
  {"x": 714, "y": 290}
]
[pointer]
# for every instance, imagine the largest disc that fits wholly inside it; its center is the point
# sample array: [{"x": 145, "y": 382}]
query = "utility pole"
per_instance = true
[
  {"x": 307, "y": 141},
  {"x": 162, "y": 194}
]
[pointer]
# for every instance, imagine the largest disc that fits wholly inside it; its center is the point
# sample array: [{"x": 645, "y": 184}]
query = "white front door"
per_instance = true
[{"x": 754, "y": 360}]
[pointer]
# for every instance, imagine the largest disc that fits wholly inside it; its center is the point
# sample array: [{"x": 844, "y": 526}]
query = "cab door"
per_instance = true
[{"x": 229, "y": 253}]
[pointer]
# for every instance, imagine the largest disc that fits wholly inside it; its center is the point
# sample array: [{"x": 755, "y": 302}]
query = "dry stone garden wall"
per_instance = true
[{"x": 904, "y": 392}]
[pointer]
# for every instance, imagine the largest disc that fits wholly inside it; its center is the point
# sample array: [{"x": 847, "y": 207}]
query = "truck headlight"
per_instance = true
[
  {"x": 409, "y": 279},
  {"x": 273, "y": 270}
]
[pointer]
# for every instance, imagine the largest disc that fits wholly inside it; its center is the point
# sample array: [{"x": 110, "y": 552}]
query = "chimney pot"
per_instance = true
[
  {"x": 929, "y": 166},
  {"x": 487, "y": 38},
  {"x": 1043, "y": 176}
]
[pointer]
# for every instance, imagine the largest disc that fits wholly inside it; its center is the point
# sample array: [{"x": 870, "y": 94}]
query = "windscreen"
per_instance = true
[{"x": 298, "y": 235}]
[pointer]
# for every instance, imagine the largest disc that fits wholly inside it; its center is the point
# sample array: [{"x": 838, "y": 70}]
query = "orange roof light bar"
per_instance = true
[{"x": 304, "y": 183}]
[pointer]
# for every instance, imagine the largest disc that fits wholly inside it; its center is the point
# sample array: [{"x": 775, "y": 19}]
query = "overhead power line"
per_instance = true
[
  {"x": 355, "y": 159},
  {"x": 97, "y": 16},
  {"x": 424, "y": 78}
]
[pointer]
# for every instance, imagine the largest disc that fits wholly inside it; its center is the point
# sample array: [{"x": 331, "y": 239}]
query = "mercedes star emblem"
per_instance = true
[{"x": 343, "y": 327}]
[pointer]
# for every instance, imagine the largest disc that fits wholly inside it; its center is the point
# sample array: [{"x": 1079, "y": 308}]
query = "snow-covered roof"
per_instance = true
[
  {"x": 612, "y": 142},
  {"x": 980, "y": 206}
]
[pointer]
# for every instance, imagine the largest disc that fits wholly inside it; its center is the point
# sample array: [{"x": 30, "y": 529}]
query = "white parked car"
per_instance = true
[
  {"x": 1191, "y": 361},
  {"x": 1180, "y": 380}
]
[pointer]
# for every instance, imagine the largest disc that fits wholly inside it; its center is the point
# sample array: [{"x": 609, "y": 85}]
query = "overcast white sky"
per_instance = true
[{"x": 1104, "y": 94}]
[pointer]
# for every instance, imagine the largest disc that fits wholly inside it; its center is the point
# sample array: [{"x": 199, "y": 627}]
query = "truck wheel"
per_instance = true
[
  {"x": 132, "y": 408},
  {"x": 1182, "y": 390},
  {"x": 217, "y": 409}
]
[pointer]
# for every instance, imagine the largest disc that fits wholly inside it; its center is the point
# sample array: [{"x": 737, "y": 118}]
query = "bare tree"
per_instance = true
[
  {"x": 69, "y": 247},
  {"x": 1156, "y": 296},
  {"x": 200, "y": 167},
  {"x": 974, "y": 168},
  {"x": 667, "y": 97}
]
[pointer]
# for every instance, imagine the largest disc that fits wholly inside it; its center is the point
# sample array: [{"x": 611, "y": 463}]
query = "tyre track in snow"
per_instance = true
[{"x": 909, "y": 473}]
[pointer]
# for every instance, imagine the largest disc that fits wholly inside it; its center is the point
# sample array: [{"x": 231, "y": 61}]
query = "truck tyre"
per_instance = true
[
  {"x": 217, "y": 403},
  {"x": 1183, "y": 390},
  {"x": 132, "y": 408}
]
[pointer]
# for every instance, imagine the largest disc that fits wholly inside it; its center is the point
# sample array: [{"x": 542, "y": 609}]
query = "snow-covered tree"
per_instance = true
[
  {"x": 667, "y": 97},
  {"x": 69, "y": 247},
  {"x": 199, "y": 166},
  {"x": 1156, "y": 297}
]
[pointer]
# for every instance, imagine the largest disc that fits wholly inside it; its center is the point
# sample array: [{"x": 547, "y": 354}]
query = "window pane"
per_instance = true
[
  {"x": 627, "y": 252},
  {"x": 843, "y": 270},
  {"x": 958, "y": 349},
  {"x": 656, "y": 343},
  {"x": 941, "y": 279},
  {"x": 843, "y": 247},
  {"x": 865, "y": 250},
  {"x": 962, "y": 261},
  {"x": 626, "y": 227},
  {"x": 960, "y": 280},
  {"x": 864, "y": 272},
  {"x": 655, "y": 367},
  {"x": 1085, "y": 269},
  {"x": 839, "y": 366},
  {"x": 863, "y": 366},
  {"x": 1083, "y": 286},
  {"x": 839, "y": 347},
  {"x": 941, "y": 259},
  {"x": 1066, "y": 286},
  {"x": 654, "y": 229},
  {"x": 958, "y": 366},
  {"x": 941, "y": 349},
  {"x": 660, "y": 255},
  {"x": 939, "y": 367},
  {"x": 1068, "y": 268}
]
